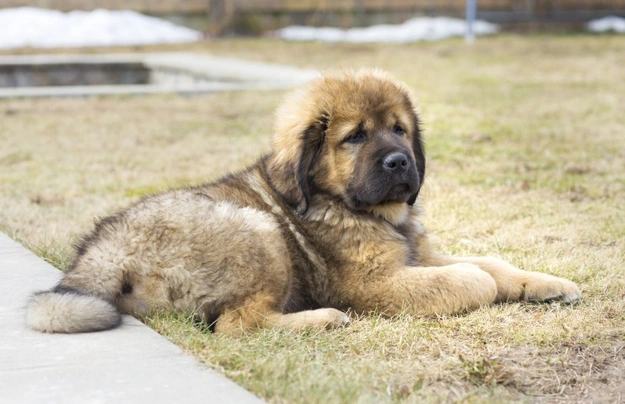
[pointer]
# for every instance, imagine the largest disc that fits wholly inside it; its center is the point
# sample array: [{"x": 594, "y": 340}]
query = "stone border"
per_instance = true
[{"x": 172, "y": 72}]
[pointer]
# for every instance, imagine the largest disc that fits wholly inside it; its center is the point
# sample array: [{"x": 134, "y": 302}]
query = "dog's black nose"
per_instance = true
[{"x": 395, "y": 163}]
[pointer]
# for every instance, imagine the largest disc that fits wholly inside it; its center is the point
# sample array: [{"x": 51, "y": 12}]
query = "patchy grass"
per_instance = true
[{"x": 526, "y": 161}]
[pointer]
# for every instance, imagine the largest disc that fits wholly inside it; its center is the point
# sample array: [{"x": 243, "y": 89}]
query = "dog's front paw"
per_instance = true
[
  {"x": 332, "y": 318},
  {"x": 546, "y": 288}
]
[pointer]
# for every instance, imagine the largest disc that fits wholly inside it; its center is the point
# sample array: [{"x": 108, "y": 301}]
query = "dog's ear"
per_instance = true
[
  {"x": 418, "y": 150},
  {"x": 311, "y": 144},
  {"x": 291, "y": 167}
]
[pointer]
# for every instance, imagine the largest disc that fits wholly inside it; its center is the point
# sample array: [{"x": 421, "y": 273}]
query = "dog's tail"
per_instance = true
[{"x": 69, "y": 310}]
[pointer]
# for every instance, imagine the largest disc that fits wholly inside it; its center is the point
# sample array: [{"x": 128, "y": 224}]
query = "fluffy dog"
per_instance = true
[{"x": 328, "y": 221}]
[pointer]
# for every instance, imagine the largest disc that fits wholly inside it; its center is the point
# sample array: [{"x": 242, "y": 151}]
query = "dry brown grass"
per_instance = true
[{"x": 527, "y": 162}]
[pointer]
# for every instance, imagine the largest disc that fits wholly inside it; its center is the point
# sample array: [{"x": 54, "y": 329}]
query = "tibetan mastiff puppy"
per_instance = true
[{"x": 327, "y": 222}]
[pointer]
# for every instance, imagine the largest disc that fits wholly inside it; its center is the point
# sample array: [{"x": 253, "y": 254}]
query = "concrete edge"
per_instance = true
[
  {"x": 238, "y": 74},
  {"x": 131, "y": 363}
]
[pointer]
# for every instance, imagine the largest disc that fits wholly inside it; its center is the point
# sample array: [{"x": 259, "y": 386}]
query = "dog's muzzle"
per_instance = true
[{"x": 394, "y": 180}]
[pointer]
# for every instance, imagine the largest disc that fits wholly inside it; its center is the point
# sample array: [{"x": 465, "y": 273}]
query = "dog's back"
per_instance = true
[{"x": 179, "y": 250}]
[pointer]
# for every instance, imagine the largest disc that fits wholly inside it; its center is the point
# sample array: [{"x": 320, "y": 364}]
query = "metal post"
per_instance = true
[{"x": 469, "y": 35}]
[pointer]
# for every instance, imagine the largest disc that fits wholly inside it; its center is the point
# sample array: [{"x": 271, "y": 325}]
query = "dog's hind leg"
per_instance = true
[
  {"x": 261, "y": 311},
  {"x": 319, "y": 318}
]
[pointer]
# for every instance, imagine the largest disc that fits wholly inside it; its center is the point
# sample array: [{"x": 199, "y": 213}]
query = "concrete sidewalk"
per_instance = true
[{"x": 130, "y": 364}]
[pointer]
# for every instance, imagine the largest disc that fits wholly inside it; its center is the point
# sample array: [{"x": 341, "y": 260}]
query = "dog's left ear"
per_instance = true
[
  {"x": 418, "y": 150},
  {"x": 311, "y": 145}
]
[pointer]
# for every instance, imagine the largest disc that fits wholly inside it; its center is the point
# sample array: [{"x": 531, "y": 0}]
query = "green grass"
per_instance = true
[{"x": 525, "y": 143}]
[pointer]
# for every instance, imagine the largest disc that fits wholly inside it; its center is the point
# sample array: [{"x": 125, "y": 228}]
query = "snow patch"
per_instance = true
[
  {"x": 39, "y": 28},
  {"x": 413, "y": 30},
  {"x": 607, "y": 24}
]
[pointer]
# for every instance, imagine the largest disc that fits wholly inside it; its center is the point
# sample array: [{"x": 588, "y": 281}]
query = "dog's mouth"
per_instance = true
[{"x": 399, "y": 193}]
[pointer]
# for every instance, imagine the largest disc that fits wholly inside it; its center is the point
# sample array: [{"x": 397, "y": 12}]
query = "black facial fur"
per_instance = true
[{"x": 377, "y": 183}]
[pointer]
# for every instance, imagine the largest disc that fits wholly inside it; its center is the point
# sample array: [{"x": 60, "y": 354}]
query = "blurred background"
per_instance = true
[{"x": 257, "y": 17}]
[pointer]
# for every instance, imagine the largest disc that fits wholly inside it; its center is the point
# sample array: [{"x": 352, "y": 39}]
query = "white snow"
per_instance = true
[
  {"x": 607, "y": 24},
  {"x": 40, "y": 28},
  {"x": 416, "y": 29}
]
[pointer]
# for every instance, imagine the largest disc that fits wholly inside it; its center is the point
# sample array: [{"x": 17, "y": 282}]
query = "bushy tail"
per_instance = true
[{"x": 66, "y": 310}]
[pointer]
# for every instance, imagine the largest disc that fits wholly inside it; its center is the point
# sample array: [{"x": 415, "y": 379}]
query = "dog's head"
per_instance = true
[{"x": 351, "y": 135}]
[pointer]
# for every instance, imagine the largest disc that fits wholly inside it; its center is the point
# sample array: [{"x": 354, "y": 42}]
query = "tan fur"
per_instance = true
[
  {"x": 327, "y": 222},
  {"x": 78, "y": 312}
]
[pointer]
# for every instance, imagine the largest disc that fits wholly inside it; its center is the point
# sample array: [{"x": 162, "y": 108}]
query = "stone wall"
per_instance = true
[{"x": 72, "y": 74}]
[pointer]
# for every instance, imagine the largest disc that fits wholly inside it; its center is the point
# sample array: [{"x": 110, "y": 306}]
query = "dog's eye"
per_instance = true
[
  {"x": 356, "y": 137},
  {"x": 398, "y": 130}
]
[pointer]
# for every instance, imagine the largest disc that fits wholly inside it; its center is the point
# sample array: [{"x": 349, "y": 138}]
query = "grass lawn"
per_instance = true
[{"x": 526, "y": 144}]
